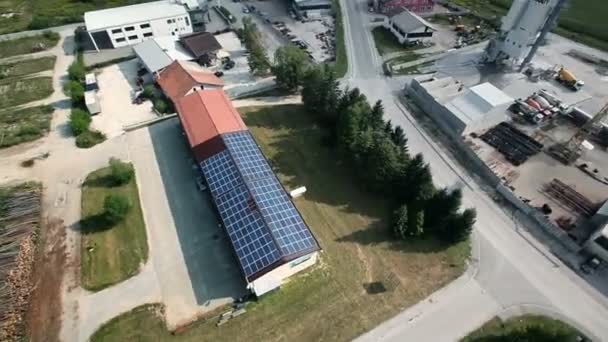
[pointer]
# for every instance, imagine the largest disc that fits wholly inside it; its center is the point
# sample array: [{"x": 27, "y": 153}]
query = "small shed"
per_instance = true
[{"x": 203, "y": 46}]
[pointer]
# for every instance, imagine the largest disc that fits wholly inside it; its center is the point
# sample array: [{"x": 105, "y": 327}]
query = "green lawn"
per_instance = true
[
  {"x": 18, "y": 126},
  {"x": 110, "y": 253},
  {"x": 584, "y": 20},
  {"x": 386, "y": 42},
  {"x": 15, "y": 92},
  {"x": 26, "y": 45},
  {"x": 513, "y": 328},
  {"x": 26, "y": 67},
  {"x": 335, "y": 301},
  {"x": 38, "y": 14}
]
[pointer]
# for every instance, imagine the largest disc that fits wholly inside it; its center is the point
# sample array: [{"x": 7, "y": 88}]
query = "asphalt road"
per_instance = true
[{"x": 511, "y": 271}]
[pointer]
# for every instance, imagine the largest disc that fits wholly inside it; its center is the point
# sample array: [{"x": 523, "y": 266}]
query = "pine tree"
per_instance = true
[{"x": 398, "y": 137}]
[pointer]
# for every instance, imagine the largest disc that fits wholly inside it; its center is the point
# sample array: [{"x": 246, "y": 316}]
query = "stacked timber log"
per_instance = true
[{"x": 19, "y": 220}]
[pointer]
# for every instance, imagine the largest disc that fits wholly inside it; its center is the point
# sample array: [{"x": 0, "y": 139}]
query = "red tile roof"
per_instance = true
[
  {"x": 182, "y": 76},
  {"x": 207, "y": 113}
]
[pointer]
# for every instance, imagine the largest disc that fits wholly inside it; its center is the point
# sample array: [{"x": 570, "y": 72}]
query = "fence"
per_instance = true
[{"x": 468, "y": 158}]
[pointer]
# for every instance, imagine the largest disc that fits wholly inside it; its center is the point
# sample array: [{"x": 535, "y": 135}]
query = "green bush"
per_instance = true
[
  {"x": 89, "y": 139},
  {"x": 116, "y": 208},
  {"x": 161, "y": 106},
  {"x": 77, "y": 71},
  {"x": 148, "y": 92},
  {"x": 121, "y": 172},
  {"x": 79, "y": 121},
  {"x": 76, "y": 92}
]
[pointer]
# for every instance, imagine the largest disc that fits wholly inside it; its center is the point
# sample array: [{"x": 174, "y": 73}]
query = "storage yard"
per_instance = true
[{"x": 551, "y": 101}]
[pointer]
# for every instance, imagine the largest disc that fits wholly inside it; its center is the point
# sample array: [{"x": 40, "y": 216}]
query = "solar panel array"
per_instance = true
[
  {"x": 251, "y": 239},
  {"x": 221, "y": 173},
  {"x": 284, "y": 221},
  {"x": 262, "y": 222}
]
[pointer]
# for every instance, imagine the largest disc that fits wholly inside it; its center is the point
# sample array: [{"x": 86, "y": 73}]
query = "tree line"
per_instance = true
[{"x": 379, "y": 154}]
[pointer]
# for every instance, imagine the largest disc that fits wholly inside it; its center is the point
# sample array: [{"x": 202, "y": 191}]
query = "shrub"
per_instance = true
[
  {"x": 76, "y": 91},
  {"x": 148, "y": 92},
  {"x": 89, "y": 139},
  {"x": 79, "y": 121},
  {"x": 121, "y": 172},
  {"x": 116, "y": 208},
  {"x": 76, "y": 71},
  {"x": 161, "y": 106}
]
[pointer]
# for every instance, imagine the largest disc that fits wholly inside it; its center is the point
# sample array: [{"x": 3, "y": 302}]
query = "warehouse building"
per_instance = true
[
  {"x": 270, "y": 240},
  {"x": 130, "y": 25},
  {"x": 459, "y": 110},
  {"x": 598, "y": 242},
  {"x": 408, "y": 27}
]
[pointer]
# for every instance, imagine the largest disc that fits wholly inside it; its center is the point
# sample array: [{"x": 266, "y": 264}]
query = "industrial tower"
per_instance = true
[{"x": 523, "y": 30}]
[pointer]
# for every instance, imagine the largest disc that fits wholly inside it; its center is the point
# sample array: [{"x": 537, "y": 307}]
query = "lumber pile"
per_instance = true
[{"x": 20, "y": 208}]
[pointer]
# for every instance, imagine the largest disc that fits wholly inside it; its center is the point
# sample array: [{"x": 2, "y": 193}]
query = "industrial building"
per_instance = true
[
  {"x": 268, "y": 235},
  {"x": 130, "y": 25},
  {"x": 409, "y": 27},
  {"x": 598, "y": 242},
  {"x": 457, "y": 109},
  {"x": 521, "y": 29}
]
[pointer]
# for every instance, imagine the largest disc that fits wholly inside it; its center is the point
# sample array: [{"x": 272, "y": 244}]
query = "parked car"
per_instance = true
[
  {"x": 591, "y": 265},
  {"x": 229, "y": 64}
]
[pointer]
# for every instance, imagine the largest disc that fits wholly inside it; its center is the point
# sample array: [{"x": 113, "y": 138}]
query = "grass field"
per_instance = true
[
  {"x": 18, "y": 126},
  {"x": 110, "y": 254},
  {"x": 344, "y": 295},
  {"x": 38, "y": 14},
  {"x": 26, "y": 67},
  {"x": 583, "y": 21},
  {"x": 26, "y": 45},
  {"x": 15, "y": 92},
  {"x": 498, "y": 330},
  {"x": 386, "y": 42}
]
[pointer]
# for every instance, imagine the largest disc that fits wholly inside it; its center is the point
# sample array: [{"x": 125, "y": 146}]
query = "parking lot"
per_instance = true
[
  {"x": 116, "y": 88},
  {"x": 190, "y": 252}
]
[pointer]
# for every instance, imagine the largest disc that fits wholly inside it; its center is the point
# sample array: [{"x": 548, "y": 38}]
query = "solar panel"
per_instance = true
[
  {"x": 221, "y": 173},
  {"x": 247, "y": 155},
  {"x": 262, "y": 222},
  {"x": 290, "y": 231},
  {"x": 252, "y": 241}
]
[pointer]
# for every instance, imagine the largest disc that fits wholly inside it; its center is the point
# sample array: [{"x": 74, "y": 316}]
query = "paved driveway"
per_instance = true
[
  {"x": 191, "y": 254},
  {"x": 116, "y": 89}
]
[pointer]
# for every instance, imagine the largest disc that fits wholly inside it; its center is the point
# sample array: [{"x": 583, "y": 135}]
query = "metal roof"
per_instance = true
[
  {"x": 152, "y": 55},
  {"x": 409, "y": 21},
  {"x": 120, "y": 16},
  {"x": 478, "y": 101}
]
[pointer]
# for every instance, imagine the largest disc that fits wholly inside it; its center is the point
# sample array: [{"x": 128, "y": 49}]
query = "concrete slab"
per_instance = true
[
  {"x": 116, "y": 89},
  {"x": 191, "y": 255}
]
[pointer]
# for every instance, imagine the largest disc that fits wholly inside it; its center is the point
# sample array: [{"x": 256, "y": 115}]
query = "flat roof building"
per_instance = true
[
  {"x": 270, "y": 239},
  {"x": 130, "y": 25},
  {"x": 457, "y": 109}
]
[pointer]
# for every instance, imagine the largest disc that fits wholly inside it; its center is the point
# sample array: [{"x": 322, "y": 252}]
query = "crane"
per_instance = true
[{"x": 569, "y": 151}]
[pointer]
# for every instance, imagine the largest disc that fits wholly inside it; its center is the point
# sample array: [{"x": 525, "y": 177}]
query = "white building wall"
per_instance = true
[
  {"x": 402, "y": 38},
  {"x": 136, "y": 33},
  {"x": 287, "y": 270}
]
